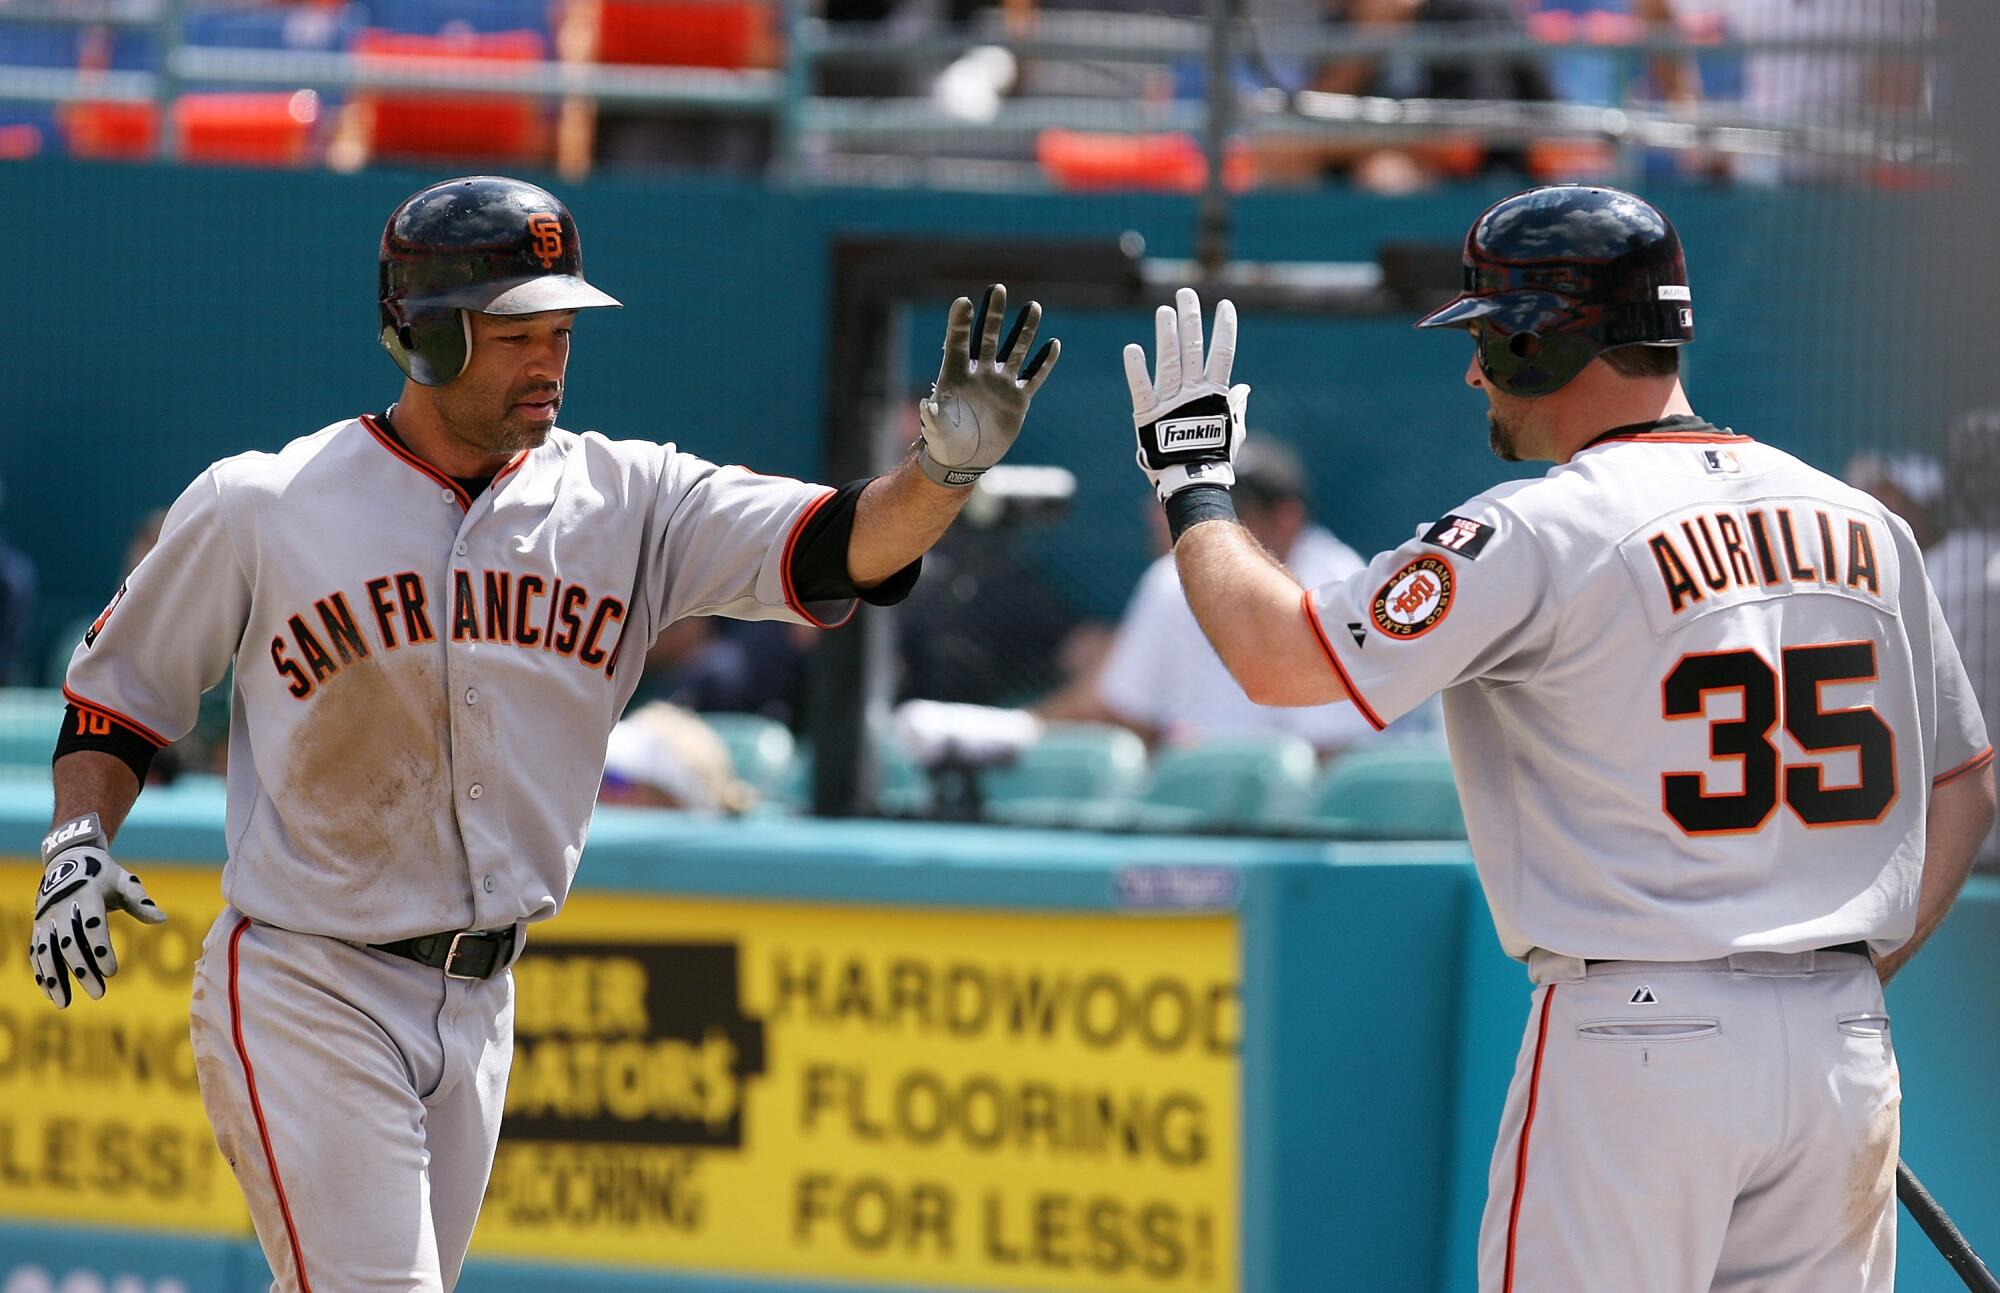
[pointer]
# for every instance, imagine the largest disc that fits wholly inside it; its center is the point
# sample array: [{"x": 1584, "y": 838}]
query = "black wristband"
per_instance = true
[{"x": 1187, "y": 508}]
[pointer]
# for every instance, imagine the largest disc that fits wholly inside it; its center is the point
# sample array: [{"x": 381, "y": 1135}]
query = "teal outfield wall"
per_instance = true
[
  {"x": 160, "y": 318},
  {"x": 1380, "y": 1027}
]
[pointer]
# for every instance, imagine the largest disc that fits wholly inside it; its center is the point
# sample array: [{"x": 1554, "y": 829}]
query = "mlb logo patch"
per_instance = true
[{"x": 1721, "y": 462}]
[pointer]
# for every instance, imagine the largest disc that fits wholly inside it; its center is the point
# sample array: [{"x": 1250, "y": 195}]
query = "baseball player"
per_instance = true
[
  {"x": 1720, "y": 762},
  {"x": 435, "y": 615}
]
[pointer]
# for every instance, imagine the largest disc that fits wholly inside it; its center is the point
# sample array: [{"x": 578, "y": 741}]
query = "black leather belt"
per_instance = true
[
  {"x": 1858, "y": 949},
  {"x": 461, "y": 954}
]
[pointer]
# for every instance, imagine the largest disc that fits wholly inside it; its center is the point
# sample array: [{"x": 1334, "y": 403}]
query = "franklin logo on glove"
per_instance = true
[{"x": 1195, "y": 433}]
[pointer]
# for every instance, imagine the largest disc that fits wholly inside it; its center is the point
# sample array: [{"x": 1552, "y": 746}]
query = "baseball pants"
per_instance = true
[
  {"x": 1723, "y": 1126},
  {"x": 357, "y": 1096}
]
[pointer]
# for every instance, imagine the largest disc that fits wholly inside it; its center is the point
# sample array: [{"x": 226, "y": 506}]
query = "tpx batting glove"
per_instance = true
[
  {"x": 981, "y": 398},
  {"x": 1189, "y": 418},
  {"x": 71, "y": 935}
]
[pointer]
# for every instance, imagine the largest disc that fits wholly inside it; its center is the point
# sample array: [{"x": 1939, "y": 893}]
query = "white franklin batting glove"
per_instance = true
[
  {"x": 981, "y": 398},
  {"x": 72, "y": 935},
  {"x": 1189, "y": 418}
]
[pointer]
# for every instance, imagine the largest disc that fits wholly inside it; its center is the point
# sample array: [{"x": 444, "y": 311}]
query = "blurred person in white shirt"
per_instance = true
[{"x": 1964, "y": 567}]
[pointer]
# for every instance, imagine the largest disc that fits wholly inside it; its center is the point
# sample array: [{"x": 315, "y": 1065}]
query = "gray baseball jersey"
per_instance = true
[
  {"x": 1696, "y": 693},
  {"x": 425, "y": 683}
]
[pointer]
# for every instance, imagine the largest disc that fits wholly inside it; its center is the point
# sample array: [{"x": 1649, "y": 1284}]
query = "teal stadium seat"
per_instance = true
[
  {"x": 30, "y": 718},
  {"x": 1227, "y": 783},
  {"x": 1398, "y": 790},
  {"x": 906, "y": 791},
  {"x": 760, "y": 749},
  {"x": 1063, "y": 775}
]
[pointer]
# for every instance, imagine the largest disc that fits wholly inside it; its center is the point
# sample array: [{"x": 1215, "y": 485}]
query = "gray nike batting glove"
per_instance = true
[
  {"x": 981, "y": 398},
  {"x": 1189, "y": 418},
  {"x": 80, "y": 885}
]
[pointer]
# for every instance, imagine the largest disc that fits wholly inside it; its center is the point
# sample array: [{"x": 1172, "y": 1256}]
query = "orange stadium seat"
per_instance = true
[
  {"x": 120, "y": 132},
  {"x": 697, "y": 33},
  {"x": 383, "y": 123},
  {"x": 1081, "y": 159},
  {"x": 274, "y": 129}
]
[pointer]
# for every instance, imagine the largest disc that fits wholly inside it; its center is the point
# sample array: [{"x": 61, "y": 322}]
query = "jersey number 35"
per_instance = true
[{"x": 1748, "y": 739}]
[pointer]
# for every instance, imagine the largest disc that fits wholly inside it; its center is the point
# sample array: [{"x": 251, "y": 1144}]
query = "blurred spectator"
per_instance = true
[
  {"x": 1161, "y": 678},
  {"x": 1965, "y": 566},
  {"x": 1412, "y": 76},
  {"x": 17, "y": 610},
  {"x": 1907, "y": 484},
  {"x": 732, "y": 666},
  {"x": 1819, "y": 87},
  {"x": 662, "y": 756}
]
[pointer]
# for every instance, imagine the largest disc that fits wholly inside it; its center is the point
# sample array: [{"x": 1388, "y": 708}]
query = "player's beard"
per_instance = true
[{"x": 1503, "y": 438}]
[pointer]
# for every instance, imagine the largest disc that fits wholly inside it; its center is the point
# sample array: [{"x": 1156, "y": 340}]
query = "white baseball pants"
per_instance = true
[
  {"x": 357, "y": 1095},
  {"x": 1703, "y": 1127}
]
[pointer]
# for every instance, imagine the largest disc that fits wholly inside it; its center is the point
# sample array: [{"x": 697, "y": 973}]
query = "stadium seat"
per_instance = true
[
  {"x": 761, "y": 749},
  {"x": 30, "y": 718},
  {"x": 110, "y": 131},
  {"x": 1393, "y": 790},
  {"x": 269, "y": 129},
  {"x": 906, "y": 791},
  {"x": 1072, "y": 767},
  {"x": 436, "y": 127},
  {"x": 1224, "y": 784},
  {"x": 683, "y": 33},
  {"x": 438, "y": 17},
  {"x": 1093, "y": 160}
]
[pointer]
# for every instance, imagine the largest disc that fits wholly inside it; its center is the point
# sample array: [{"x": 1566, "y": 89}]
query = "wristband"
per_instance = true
[{"x": 1189, "y": 507}]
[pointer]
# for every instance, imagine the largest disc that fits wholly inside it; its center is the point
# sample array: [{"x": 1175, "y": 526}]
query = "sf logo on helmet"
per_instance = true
[{"x": 547, "y": 233}]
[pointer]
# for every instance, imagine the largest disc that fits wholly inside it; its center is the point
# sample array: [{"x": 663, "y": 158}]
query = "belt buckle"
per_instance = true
[{"x": 451, "y": 956}]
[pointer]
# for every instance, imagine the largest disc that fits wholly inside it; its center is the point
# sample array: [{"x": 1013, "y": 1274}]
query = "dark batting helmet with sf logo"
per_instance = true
[
  {"x": 1556, "y": 276},
  {"x": 482, "y": 242}
]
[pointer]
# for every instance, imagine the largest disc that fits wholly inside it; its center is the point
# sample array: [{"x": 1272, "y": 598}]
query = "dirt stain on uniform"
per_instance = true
[
  {"x": 1871, "y": 1181},
  {"x": 369, "y": 776}
]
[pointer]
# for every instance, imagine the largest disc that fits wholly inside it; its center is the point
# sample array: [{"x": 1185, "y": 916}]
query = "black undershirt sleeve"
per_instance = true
[
  {"x": 115, "y": 739},
  {"x": 819, "y": 558}
]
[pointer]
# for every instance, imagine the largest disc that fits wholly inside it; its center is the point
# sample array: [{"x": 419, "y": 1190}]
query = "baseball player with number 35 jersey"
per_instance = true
[
  {"x": 1720, "y": 763},
  {"x": 435, "y": 615}
]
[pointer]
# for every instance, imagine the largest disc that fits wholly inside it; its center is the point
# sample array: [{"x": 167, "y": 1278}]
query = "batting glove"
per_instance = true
[
  {"x": 1189, "y": 418},
  {"x": 981, "y": 398},
  {"x": 71, "y": 934}
]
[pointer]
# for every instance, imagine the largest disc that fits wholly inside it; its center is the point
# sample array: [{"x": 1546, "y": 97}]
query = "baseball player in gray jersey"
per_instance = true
[
  {"x": 1720, "y": 763},
  {"x": 435, "y": 616}
]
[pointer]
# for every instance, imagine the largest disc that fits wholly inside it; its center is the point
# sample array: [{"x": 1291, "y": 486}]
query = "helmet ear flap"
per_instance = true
[{"x": 431, "y": 350}]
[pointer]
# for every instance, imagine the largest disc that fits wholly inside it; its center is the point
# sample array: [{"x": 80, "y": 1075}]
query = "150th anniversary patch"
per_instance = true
[{"x": 1415, "y": 600}]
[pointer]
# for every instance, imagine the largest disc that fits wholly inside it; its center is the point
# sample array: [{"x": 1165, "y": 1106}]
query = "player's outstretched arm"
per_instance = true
[
  {"x": 81, "y": 886},
  {"x": 1961, "y": 813},
  {"x": 1189, "y": 422},
  {"x": 972, "y": 418}
]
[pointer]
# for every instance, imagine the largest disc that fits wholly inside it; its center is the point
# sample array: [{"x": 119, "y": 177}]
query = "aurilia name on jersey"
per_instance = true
[
  {"x": 498, "y": 606},
  {"x": 1709, "y": 555}
]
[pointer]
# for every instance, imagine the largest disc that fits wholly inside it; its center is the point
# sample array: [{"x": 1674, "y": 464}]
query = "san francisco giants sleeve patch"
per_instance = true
[
  {"x": 1459, "y": 534},
  {"x": 97, "y": 625},
  {"x": 1415, "y": 600}
]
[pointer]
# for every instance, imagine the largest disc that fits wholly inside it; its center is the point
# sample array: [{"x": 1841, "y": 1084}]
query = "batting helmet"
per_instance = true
[
  {"x": 485, "y": 243},
  {"x": 1556, "y": 276}
]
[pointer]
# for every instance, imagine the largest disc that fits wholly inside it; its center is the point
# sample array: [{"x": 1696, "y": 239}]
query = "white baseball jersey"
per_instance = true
[
  {"x": 1161, "y": 670},
  {"x": 1696, "y": 691},
  {"x": 424, "y": 682}
]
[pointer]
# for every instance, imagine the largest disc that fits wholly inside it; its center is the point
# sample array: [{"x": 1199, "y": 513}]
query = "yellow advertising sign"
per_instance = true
[
  {"x": 979, "y": 1099},
  {"x": 100, "y": 1118},
  {"x": 985, "y": 1099}
]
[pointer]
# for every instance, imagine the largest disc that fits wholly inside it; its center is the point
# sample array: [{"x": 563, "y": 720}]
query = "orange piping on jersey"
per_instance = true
[
  {"x": 1861, "y": 771},
  {"x": 785, "y": 573},
  {"x": 116, "y": 717},
  {"x": 257, "y": 1108},
  {"x": 1353, "y": 694},
  {"x": 1527, "y": 1125},
  {"x": 513, "y": 464},
  {"x": 381, "y": 438},
  {"x": 1973, "y": 764}
]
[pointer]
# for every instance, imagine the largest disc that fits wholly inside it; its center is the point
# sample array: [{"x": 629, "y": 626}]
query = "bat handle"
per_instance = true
[{"x": 1952, "y": 1244}]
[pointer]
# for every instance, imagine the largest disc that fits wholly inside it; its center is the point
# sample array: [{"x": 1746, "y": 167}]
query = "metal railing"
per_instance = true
[{"x": 813, "y": 132}]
